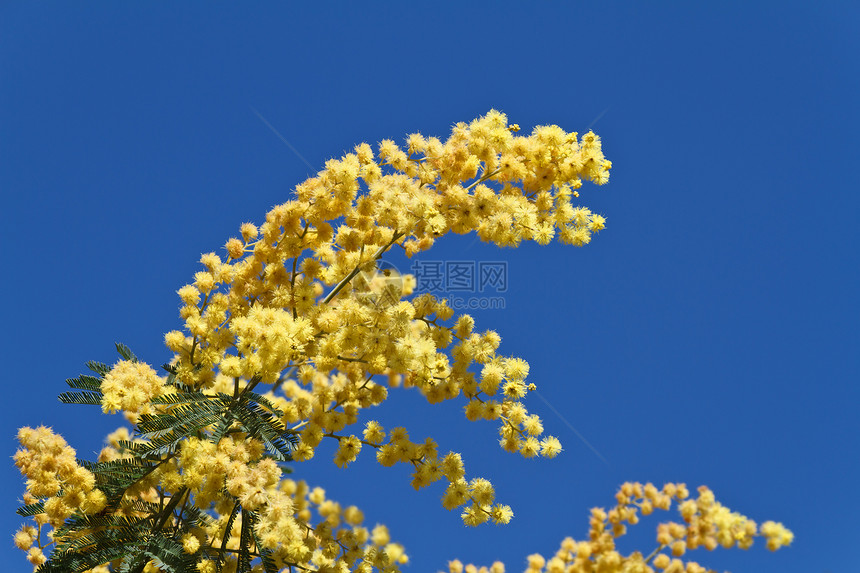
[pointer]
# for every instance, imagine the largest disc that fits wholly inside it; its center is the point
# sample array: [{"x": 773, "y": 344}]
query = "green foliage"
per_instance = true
[
  {"x": 131, "y": 532},
  {"x": 116, "y": 476},
  {"x": 31, "y": 509},
  {"x": 91, "y": 384},
  {"x": 98, "y": 368},
  {"x": 125, "y": 352},
  {"x": 91, "y": 398},
  {"x": 133, "y": 544}
]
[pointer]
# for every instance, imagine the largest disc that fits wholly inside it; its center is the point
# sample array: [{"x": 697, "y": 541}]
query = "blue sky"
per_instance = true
[{"x": 708, "y": 335}]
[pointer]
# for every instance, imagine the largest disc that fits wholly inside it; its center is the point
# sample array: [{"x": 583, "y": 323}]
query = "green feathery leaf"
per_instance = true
[
  {"x": 85, "y": 382},
  {"x": 116, "y": 476},
  {"x": 261, "y": 424},
  {"x": 167, "y": 555},
  {"x": 227, "y": 529},
  {"x": 266, "y": 555},
  {"x": 98, "y": 367},
  {"x": 31, "y": 509},
  {"x": 263, "y": 401},
  {"x": 91, "y": 398},
  {"x": 244, "y": 565},
  {"x": 125, "y": 352},
  {"x": 186, "y": 398},
  {"x": 111, "y": 545}
]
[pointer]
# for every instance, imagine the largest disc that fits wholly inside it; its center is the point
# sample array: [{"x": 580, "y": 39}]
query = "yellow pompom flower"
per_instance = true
[
  {"x": 347, "y": 451},
  {"x": 550, "y": 447},
  {"x": 374, "y": 433},
  {"x": 129, "y": 386},
  {"x": 777, "y": 535},
  {"x": 35, "y": 556},
  {"x": 501, "y": 513},
  {"x": 190, "y": 543},
  {"x": 189, "y": 295},
  {"x": 235, "y": 248},
  {"x": 25, "y": 537}
]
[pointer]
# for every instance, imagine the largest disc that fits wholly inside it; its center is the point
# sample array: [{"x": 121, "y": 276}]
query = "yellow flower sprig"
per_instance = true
[
  {"x": 706, "y": 523},
  {"x": 300, "y": 311}
]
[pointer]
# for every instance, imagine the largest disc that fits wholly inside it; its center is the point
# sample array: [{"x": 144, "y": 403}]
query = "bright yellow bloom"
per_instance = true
[
  {"x": 130, "y": 386},
  {"x": 304, "y": 311},
  {"x": 550, "y": 447}
]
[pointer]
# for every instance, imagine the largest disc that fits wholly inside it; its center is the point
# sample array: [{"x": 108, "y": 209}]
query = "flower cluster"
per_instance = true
[
  {"x": 338, "y": 542},
  {"x": 282, "y": 307},
  {"x": 706, "y": 523},
  {"x": 294, "y": 332},
  {"x": 130, "y": 387},
  {"x": 52, "y": 472},
  {"x": 456, "y": 566}
]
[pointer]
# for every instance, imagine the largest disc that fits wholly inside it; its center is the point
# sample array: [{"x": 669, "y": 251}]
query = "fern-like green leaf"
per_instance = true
[
  {"x": 125, "y": 352},
  {"x": 167, "y": 555},
  {"x": 103, "y": 549},
  {"x": 227, "y": 530},
  {"x": 31, "y": 509},
  {"x": 132, "y": 529},
  {"x": 116, "y": 476},
  {"x": 85, "y": 382},
  {"x": 165, "y": 431},
  {"x": 91, "y": 398},
  {"x": 266, "y": 555},
  {"x": 186, "y": 398},
  {"x": 245, "y": 539},
  {"x": 263, "y": 401},
  {"x": 262, "y": 425},
  {"x": 129, "y": 446},
  {"x": 185, "y": 428},
  {"x": 184, "y": 415},
  {"x": 193, "y": 516},
  {"x": 119, "y": 523},
  {"x": 98, "y": 367}
]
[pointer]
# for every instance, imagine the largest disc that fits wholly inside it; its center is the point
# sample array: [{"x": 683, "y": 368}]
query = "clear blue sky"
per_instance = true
[{"x": 709, "y": 335}]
